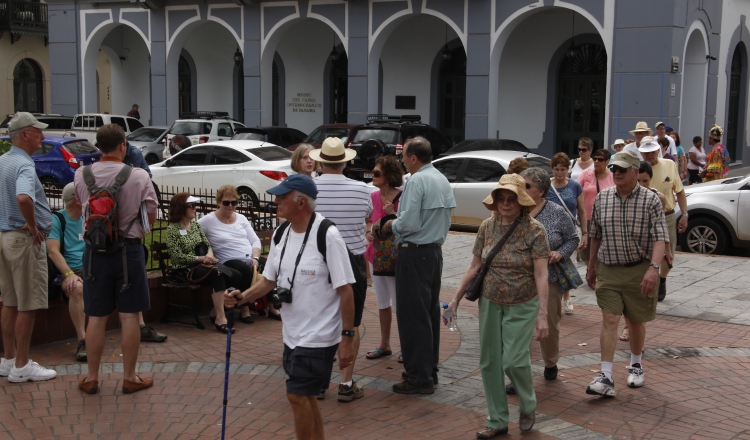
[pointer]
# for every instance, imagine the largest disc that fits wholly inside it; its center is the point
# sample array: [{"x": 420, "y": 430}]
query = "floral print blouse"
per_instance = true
[
  {"x": 181, "y": 243},
  {"x": 510, "y": 279}
]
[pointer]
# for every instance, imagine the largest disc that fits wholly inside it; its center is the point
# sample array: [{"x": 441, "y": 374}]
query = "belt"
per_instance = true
[
  {"x": 134, "y": 240},
  {"x": 670, "y": 212},
  {"x": 635, "y": 263},
  {"x": 407, "y": 244}
]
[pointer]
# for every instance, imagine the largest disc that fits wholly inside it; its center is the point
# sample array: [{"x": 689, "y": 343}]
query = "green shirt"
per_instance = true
[
  {"x": 181, "y": 243},
  {"x": 424, "y": 214}
]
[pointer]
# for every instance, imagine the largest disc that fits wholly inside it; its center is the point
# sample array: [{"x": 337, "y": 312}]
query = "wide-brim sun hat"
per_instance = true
[
  {"x": 625, "y": 159},
  {"x": 648, "y": 145},
  {"x": 618, "y": 142},
  {"x": 513, "y": 183},
  {"x": 333, "y": 151},
  {"x": 642, "y": 126}
]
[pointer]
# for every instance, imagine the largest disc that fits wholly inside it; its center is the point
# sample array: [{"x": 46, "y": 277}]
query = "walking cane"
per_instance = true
[{"x": 230, "y": 326}]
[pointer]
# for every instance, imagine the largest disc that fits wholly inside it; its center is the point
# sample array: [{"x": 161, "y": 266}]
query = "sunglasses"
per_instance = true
[
  {"x": 227, "y": 202},
  {"x": 583, "y": 149},
  {"x": 600, "y": 159},
  {"x": 377, "y": 173},
  {"x": 191, "y": 205},
  {"x": 616, "y": 169},
  {"x": 502, "y": 200},
  {"x": 528, "y": 186}
]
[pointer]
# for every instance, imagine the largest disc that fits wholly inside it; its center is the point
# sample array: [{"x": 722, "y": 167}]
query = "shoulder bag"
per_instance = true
[
  {"x": 473, "y": 290},
  {"x": 385, "y": 249}
]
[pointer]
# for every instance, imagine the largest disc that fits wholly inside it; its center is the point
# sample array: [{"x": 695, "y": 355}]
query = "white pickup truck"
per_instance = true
[{"x": 85, "y": 125}]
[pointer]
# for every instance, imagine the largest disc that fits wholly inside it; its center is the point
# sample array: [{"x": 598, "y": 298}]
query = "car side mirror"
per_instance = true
[{"x": 168, "y": 163}]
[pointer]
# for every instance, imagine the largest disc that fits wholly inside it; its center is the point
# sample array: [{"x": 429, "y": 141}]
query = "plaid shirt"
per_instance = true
[{"x": 629, "y": 227}]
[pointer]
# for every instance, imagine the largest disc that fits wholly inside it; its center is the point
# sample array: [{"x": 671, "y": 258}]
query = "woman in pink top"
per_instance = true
[
  {"x": 593, "y": 180},
  {"x": 387, "y": 177}
]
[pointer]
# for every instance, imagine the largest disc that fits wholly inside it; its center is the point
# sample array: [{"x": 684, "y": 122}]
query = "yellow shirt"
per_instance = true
[{"x": 666, "y": 179}]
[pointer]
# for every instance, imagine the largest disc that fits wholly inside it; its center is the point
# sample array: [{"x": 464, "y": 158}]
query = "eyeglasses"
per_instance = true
[
  {"x": 616, "y": 169},
  {"x": 229, "y": 202},
  {"x": 582, "y": 149},
  {"x": 510, "y": 200},
  {"x": 378, "y": 173},
  {"x": 190, "y": 205},
  {"x": 600, "y": 159}
]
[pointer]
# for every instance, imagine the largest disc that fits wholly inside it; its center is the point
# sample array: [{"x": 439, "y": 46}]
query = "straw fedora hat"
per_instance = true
[
  {"x": 642, "y": 126},
  {"x": 514, "y": 183},
  {"x": 333, "y": 151}
]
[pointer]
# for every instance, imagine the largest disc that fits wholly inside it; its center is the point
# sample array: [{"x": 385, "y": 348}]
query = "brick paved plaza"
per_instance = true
[{"x": 696, "y": 363}]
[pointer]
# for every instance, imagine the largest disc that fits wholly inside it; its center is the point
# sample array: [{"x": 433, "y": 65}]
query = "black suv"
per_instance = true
[{"x": 385, "y": 134}]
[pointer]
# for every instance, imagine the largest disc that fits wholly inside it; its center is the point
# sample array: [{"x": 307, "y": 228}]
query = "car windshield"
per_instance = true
[
  {"x": 321, "y": 133},
  {"x": 186, "y": 128},
  {"x": 249, "y": 137},
  {"x": 270, "y": 153},
  {"x": 81, "y": 147},
  {"x": 145, "y": 134},
  {"x": 385, "y": 135}
]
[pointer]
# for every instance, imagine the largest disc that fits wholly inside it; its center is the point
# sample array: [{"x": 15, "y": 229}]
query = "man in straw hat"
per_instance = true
[
  {"x": 641, "y": 129},
  {"x": 347, "y": 203},
  {"x": 424, "y": 217},
  {"x": 24, "y": 224},
  {"x": 624, "y": 265},
  {"x": 666, "y": 179}
]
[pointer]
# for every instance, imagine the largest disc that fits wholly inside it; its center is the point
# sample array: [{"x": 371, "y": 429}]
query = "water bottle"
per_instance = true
[
  {"x": 248, "y": 260},
  {"x": 449, "y": 318},
  {"x": 58, "y": 280}
]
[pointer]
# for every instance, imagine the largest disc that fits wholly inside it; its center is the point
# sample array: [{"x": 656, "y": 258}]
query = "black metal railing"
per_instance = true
[
  {"x": 23, "y": 17},
  {"x": 260, "y": 211}
]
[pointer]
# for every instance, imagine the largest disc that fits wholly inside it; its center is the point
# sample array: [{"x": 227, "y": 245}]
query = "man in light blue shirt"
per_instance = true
[{"x": 424, "y": 217}]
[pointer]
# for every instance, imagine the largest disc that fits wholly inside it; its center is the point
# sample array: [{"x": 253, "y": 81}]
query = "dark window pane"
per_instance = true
[
  {"x": 481, "y": 170},
  {"x": 449, "y": 168},
  {"x": 134, "y": 124},
  {"x": 81, "y": 147},
  {"x": 270, "y": 154},
  {"x": 120, "y": 122},
  {"x": 225, "y": 130},
  {"x": 385, "y": 135},
  {"x": 191, "y": 157},
  {"x": 227, "y": 156}
]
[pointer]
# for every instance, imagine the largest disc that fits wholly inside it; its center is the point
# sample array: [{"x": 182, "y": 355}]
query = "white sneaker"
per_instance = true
[
  {"x": 6, "y": 365},
  {"x": 32, "y": 371},
  {"x": 568, "y": 305},
  {"x": 601, "y": 386},
  {"x": 635, "y": 378}
]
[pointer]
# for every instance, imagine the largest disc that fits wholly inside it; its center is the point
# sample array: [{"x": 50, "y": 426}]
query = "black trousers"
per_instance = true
[
  {"x": 418, "y": 273},
  {"x": 219, "y": 279},
  {"x": 246, "y": 273}
]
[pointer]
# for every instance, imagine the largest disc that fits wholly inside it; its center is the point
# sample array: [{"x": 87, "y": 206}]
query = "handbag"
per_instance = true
[
  {"x": 385, "y": 250},
  {"x": 567, "y": 274},
  {"x": 473, "y": 290}
]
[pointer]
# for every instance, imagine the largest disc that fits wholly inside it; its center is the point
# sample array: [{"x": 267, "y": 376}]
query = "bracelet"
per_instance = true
[
  {"x": 256, "y": 259},
  {"x": 70, "y": 272}
]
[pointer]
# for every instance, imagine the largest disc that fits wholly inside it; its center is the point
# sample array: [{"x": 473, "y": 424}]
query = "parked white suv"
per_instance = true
[{"x": 199, "y": 128}]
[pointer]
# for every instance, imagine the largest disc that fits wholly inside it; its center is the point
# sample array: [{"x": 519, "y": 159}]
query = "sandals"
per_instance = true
[
  {"x": 625, "y": 335},
  {"x": 400, "y": 358},
  {"x": 223, "y": 328},
  {"x": 276, "y": 316},
  {"x": 247, "y": 319},
  {"x": 376, "y": 353}
]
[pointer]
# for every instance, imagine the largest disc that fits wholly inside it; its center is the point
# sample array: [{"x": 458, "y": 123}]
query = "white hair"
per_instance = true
[{"x": 311, "y": 202}]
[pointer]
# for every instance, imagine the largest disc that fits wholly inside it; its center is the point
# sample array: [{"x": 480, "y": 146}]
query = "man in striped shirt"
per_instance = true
[
  {"x": 347, "y": 203},
  {"x": 628, "y": 242}
]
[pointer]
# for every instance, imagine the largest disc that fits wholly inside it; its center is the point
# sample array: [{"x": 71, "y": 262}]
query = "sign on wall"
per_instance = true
[{"x": 304, "y": 103}]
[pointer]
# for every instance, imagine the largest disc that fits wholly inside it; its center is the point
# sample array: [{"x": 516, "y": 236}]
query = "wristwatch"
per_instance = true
[
  {"x": 349, "y": 333},
  {"x": 656, "y": 266}
]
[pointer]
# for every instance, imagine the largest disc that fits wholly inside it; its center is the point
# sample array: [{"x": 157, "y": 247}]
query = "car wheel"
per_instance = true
[
  {"x": 51, "y": 183},
  {"x": 248, "y": 201},
  {"x": 152, "y": 159},
  {"x": 704, "y": 236}
]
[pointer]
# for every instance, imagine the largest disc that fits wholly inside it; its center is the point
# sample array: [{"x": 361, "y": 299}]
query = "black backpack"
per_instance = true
[
  {"x": 54, "y": 290},
  {"x": 103, "y": 234}
]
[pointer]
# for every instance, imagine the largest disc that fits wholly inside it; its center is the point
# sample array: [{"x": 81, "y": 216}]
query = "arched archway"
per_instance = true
[
  {"x": 737, "y": 92},
  {"x": 28, "y": 87},
  {"x": 694, "y": 73},
  {"x": 451, "y": 99},
  {"x": 185, "y": 85}
]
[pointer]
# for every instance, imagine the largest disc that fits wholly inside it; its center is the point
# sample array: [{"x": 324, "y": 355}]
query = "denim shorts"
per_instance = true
[{"x": 308, "y": 369}]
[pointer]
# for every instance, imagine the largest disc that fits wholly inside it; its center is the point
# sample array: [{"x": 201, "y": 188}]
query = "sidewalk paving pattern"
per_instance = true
[{"x": 696, "y": 365}]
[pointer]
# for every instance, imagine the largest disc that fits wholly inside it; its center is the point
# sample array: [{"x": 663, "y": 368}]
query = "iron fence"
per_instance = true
[{"x": 259, "y": 210}]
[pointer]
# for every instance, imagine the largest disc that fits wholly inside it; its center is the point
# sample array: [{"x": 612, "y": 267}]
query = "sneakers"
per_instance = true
[
  {"x": 81, "y": 351},
  {"x": 349, "y": 393},
  {"x": 601, "y": 386},
  {"x": 662, "y": 292},
  {"x": 31, "y": 372},
  {"x": 568, "y": 306},
  {"x": 148, "y": 334},
  {"x": 6, "y": 365},
  {"x": 635, "y": 378}
]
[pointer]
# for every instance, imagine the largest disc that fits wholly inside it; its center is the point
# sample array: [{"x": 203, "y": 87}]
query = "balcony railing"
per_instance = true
[{"x": 21, "y": 17}]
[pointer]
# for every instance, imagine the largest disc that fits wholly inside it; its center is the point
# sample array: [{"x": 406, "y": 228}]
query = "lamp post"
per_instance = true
[{"x": 238, "y": 61}]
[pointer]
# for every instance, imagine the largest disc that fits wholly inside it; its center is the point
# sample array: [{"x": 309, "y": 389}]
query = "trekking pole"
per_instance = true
[{"x": 230, "y": 324}]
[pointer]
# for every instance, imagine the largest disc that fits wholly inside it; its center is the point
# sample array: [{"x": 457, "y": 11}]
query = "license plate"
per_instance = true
[{"x": 367, "y": 175}]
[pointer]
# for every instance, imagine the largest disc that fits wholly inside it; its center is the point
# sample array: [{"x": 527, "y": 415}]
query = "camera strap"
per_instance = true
[{"x": 299, "y": 255}]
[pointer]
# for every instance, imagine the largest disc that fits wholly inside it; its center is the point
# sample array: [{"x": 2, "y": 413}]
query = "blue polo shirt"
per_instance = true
[{"x": 18, "y": 176}]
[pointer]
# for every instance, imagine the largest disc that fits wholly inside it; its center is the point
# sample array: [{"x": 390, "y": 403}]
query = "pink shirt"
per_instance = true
[
  {"x": 138, "y": 189},
  {"x": 377, "y": 214},
  {"x": 587, "y": 180}
]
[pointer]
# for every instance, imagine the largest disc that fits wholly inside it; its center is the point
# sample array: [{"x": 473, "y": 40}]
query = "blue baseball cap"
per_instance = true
[{"x": 301, "y": 182}]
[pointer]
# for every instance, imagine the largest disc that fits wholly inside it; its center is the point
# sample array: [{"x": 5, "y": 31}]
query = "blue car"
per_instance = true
[{"x": 60, "y": 157}]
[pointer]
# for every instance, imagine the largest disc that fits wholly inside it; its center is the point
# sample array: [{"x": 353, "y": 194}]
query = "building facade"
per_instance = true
[{"x": 543, "y": 72}]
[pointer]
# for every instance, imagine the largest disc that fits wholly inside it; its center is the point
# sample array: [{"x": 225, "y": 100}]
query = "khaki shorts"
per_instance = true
[
  {"x": 23, "y": 271},
  {"x": 618, "y": 291},
  {"x": 672, "y": 229}
]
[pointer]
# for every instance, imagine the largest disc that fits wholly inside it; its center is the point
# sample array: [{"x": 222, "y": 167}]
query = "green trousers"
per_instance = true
[{"x": 505, "y": 333}]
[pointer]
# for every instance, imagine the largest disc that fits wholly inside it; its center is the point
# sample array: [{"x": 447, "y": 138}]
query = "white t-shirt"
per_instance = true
[
  {"x": 576, "y": 170},
  {"x": 230, "y": 242},
  {"x": 313, "y": 318}
]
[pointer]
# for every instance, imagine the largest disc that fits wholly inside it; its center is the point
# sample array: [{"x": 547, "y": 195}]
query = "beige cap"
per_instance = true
[
  {"x": 69, "y": 192},
  {"x": 626, "y": 159},
  {"x": 23, "y": 120}
]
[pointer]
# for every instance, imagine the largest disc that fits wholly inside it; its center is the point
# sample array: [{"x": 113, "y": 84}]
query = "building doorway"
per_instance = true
[
  {"x": 339, "y": 89},
  {"x": 28, "y": 87},
  {"x": 452, "y": 100},
  {"x": 581, "y": 97},
  {"x": 185, "y": 80},
  {"x": 736, "y": 93}
]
